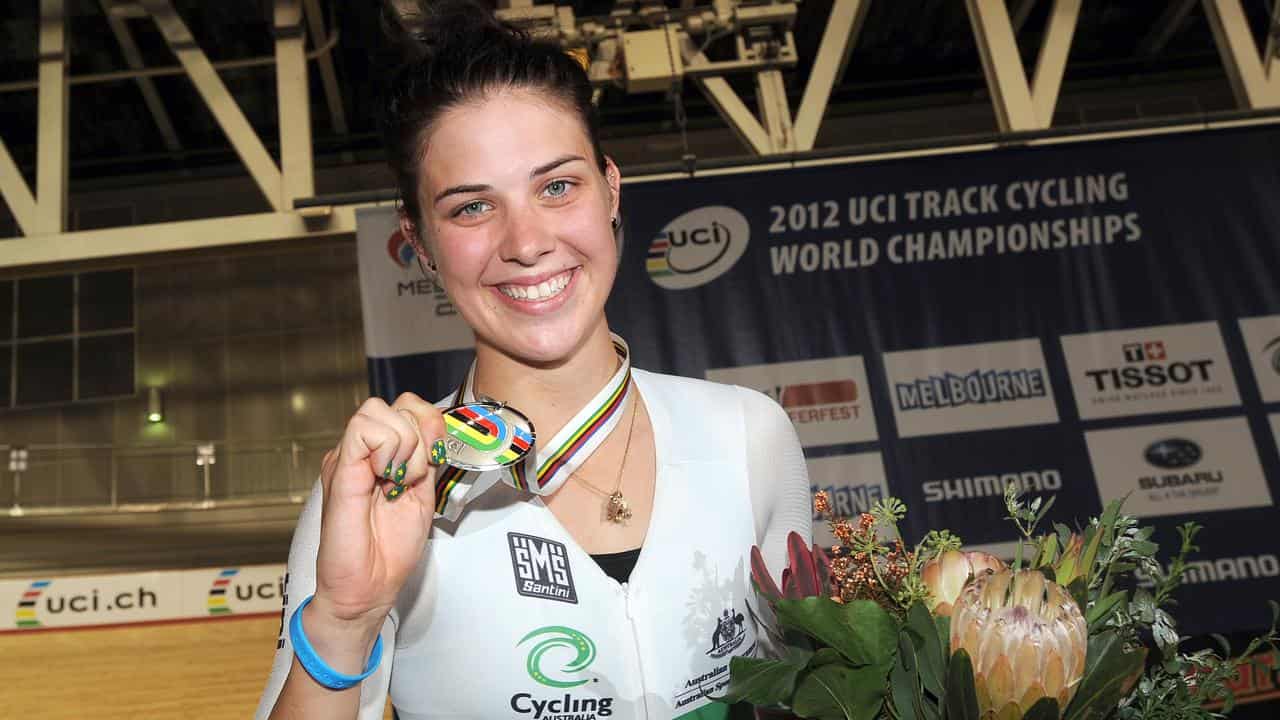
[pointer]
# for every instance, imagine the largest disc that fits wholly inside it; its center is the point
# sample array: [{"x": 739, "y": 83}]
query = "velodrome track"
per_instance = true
[{"x": 206, "y": 669}]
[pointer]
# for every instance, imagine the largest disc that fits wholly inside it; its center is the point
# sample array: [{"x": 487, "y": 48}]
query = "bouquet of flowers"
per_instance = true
[{"x": 1078, "y": 627}]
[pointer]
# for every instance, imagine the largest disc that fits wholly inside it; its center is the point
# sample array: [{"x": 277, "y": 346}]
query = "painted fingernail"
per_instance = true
[
  {"x": 438, "y": 453},
  {"x": 400, "y": 473},
  {"x": 386, "y": 474},
  {"x": 395, "y": 492}
]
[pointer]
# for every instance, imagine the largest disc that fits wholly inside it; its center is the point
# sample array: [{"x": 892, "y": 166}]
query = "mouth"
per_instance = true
[{"x": 539, "y": 291}]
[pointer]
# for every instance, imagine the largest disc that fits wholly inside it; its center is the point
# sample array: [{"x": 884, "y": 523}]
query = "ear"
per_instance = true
[
  {"x": 613, "y": 178},
  {"x": 410, "y": 232}
]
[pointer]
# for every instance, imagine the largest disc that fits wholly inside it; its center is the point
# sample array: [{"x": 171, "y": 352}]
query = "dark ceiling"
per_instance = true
[{"x": 909, "y": 51}]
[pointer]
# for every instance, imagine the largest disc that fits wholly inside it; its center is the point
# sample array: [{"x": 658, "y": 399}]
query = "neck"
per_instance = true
[{"x": 550, "y": 394}]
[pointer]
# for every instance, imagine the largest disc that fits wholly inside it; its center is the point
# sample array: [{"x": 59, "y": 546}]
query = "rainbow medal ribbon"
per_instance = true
[{"x": 485, "y": 435}]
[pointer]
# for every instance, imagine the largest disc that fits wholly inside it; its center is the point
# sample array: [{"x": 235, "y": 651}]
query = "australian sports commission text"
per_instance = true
[{"x": 956, "y": 243}]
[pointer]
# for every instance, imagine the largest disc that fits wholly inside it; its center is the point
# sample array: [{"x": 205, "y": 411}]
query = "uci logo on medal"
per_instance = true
[{"x": 697, "y": 247}]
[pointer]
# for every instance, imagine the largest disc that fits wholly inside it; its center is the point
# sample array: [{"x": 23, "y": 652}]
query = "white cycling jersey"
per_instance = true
[{"x": 508, "y": 617}]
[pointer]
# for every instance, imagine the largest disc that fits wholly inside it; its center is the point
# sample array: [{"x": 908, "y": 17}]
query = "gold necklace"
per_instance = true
[{"x": 616, "y": 508}]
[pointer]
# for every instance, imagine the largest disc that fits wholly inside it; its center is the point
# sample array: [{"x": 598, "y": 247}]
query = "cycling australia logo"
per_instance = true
[
  {"x": 1148, "y": 370},
  {"x": 1179, "y": 468},
  {"x": 559, "y": 657},
  {"x": 970, "y": 387},
  {"x": 26, "y": 615},
  {"x": 400, "y": 249},
  {"x": 697, "y": 247}
]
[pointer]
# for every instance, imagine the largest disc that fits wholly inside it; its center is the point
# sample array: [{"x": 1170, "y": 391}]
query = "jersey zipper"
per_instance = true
[{"x": 635, "y": 641}]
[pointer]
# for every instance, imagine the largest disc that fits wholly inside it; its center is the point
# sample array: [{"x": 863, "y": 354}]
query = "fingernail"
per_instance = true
[
  {"x": 386, "y": 474},
  {"x": 438, "y": 453},
  {"x": 395, "y": 492},
  {"x": 400, "y": 473}
]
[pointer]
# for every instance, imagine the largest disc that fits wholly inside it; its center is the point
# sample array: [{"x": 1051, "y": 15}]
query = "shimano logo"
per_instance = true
[
  {"x": 1244, "y": 567},
  {"x": 977, "y": 387},
  {"x": 697, "y": 247},
  {"x": 981, "y": 486}
]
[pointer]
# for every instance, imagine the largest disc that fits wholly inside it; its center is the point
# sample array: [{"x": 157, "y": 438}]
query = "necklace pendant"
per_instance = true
[{"x": 617, "y": 509}]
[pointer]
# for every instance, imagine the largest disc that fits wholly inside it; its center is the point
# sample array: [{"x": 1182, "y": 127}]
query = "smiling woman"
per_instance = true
[{"x": 625, "y": 528}]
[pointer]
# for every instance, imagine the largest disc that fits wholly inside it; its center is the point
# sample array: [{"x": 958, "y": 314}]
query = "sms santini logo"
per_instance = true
[{"x": 697, "y": 247}]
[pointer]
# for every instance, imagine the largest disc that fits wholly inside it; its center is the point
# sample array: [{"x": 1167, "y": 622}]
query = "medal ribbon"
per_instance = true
[{"x": 546, "y": 467}]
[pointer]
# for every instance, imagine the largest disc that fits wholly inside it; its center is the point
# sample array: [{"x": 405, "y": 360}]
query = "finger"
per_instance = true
[
  {"x": 368, "y": 445},
  {"x": 396, "y": 467},
  {"x": 327, "y": 467},
  {"x": 429, "y": 423}
]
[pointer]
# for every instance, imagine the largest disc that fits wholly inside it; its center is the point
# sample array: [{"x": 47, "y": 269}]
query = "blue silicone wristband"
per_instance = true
[{"x": 317, "y": 668}]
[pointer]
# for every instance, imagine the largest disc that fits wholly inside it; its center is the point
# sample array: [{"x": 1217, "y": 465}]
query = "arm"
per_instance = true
[
  {"x": 290, "y": 691},
  {"x": 777, "y": 477}
]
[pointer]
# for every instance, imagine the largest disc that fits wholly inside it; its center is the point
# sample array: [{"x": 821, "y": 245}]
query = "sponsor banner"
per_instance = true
[
  {"x": 1191, "y": 467},
  {"x": 1262, "y": 341},
  {"x": 827, "y": 400},
  {"x": 404, "y": 313},
  {"x": 81, "y": 601},
  {"x": 982, "y": 386},
  {"x": 854, "y": 482},
  {"x": 1149, "y": 370},
  {"x": 958, "y": 481}
]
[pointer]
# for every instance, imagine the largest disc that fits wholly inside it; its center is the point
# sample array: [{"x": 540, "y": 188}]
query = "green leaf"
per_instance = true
[
  {"x": 861, "y": 630},
  {"x": 1102, "y": 609},
  {"x": 962, "y": 697},
  {"x": 1044, "y": 709},
  {"x": 825, "y": 656},
  {"x": 943, "y": 623},
  {"x": 763, "y": 682},
  {"x": 927, "y": 646},
  {"x": 841, "y": 692},
  {"x": 905, "y": 678},
  {"x": 1107, "y": 668}
]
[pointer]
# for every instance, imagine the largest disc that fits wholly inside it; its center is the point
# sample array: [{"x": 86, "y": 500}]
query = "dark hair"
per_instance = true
[{"x": 457, "y": 51}]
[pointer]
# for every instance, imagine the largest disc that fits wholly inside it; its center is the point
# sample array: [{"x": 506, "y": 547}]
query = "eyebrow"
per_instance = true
[{"x": 540, "y": 170}]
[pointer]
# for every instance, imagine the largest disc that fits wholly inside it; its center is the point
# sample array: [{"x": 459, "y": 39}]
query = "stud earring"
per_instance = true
[{"x": 613, "y": 222}]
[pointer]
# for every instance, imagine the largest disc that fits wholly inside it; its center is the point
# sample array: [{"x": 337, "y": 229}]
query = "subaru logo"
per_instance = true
[{"x": 1173, "y": 453}]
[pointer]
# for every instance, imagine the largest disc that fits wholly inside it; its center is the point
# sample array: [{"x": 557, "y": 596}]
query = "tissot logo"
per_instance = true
[
  {"x": 541, "y": 568},
  {"x": 697, "y": 247},
  {"x": 1146, "y": 370}
]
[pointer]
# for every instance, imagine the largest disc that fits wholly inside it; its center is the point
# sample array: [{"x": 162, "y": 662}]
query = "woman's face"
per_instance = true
[{"x": 516, "y": 215}]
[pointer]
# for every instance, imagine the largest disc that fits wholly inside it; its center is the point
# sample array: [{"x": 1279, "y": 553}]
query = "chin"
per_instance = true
[{"x": 545, "y": 346}]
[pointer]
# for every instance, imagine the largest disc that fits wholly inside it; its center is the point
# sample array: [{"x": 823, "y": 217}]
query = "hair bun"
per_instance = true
[{"x": 437, "y": 28}]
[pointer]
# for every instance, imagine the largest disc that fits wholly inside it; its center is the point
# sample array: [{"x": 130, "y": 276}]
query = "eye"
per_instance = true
[
  {"x": 471, "y": 209},
  {"x": 557, "y": 188}
]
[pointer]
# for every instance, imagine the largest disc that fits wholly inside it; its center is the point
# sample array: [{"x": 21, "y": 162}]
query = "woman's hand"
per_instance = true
[{"x": 368, "y": 543}]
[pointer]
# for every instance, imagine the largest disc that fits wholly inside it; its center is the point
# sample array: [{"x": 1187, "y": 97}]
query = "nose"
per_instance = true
[{"x": 528, "y": 237}]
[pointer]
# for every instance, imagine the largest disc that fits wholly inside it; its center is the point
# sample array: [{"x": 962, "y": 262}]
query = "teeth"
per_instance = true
[{"x": 541, "y": 291}]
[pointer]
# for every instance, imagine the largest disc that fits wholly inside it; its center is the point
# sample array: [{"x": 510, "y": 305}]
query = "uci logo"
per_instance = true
[{"x": 697, "y": 247}]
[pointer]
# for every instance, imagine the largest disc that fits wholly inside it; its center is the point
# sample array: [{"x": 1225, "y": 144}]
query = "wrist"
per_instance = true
[{"x": 343, "y": 644}]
